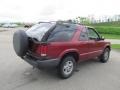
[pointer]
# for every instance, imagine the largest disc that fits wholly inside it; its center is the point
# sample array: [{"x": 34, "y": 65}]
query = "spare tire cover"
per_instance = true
[{"x": 20, "y": 42}]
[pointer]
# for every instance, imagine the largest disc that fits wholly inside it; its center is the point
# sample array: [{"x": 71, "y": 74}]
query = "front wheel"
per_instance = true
[
  {"x": 105, "y": 56},
  {"x": 66, "y": 67}
]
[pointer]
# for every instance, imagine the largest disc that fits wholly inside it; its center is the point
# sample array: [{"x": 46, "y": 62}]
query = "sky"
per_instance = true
[{"x": 50, "y": 10}]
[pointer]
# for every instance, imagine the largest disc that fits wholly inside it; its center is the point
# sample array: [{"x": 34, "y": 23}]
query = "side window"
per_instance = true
[
  {"x": 83, "y": 36},
  {"x": 62, "y": 33},
  {"x": 92, "y": 34}
]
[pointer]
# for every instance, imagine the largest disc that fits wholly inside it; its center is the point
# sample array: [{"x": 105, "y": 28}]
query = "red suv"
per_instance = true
[{"x": 61, "y": 45}]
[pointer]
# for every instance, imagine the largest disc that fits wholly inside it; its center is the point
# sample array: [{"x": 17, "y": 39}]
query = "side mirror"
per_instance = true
[{"x": 102, "y": 38}]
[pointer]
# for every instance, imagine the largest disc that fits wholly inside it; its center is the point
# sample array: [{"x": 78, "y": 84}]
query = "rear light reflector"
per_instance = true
[{"x": 43, "y": 55}]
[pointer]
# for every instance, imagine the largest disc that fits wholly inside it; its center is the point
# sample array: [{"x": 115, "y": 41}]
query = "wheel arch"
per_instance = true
[
  {"x": 73, "y": 53},
  {"x": 108, "y": 46}
]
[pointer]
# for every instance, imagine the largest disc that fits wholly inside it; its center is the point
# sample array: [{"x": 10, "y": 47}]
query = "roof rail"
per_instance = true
[
  {"x": 62, "y": 22},
  {"x": 69, "y": 22},
  {"x": 46, "y": 22}
]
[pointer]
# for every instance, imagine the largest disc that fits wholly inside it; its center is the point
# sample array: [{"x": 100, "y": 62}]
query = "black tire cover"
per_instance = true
[{"x": 20, "y": 42}]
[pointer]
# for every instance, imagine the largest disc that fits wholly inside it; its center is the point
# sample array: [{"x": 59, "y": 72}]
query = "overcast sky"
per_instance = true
[{"x": 36, "y": 10}]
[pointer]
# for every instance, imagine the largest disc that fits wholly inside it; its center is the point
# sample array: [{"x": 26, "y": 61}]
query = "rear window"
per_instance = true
[{"x": 39, "y": 30}]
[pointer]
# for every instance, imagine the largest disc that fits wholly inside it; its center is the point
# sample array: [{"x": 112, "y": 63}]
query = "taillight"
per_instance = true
[{"x": 43, "y": 50}]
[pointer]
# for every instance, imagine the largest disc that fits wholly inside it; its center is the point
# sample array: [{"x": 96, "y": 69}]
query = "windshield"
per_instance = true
[{"x": 38, "y": 31}]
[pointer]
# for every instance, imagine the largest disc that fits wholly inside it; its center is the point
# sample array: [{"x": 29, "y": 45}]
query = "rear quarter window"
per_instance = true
[{"x": 61, "y": 33}]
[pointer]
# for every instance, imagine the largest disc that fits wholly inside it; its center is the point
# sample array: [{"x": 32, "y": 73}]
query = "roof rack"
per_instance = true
[
  {"x": 47, "y": 22},
  {"x": 63, "y": 22},
  {"x": 69, "y": 22}
]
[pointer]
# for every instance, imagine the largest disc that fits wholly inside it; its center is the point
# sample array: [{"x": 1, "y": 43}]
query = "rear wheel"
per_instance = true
[
  {"x": 105, "y": 56},
  {"x": 66, "y": 67}
]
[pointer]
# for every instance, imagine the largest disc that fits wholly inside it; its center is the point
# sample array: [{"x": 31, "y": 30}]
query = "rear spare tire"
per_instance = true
[{"x": 20, "y": 42}]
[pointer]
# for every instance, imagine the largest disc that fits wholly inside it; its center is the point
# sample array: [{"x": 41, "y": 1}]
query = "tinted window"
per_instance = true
[
  {"x": 83, "y": 36},
  {"x": 61, "y": 33},
  {"x": 92, "y": 34}
]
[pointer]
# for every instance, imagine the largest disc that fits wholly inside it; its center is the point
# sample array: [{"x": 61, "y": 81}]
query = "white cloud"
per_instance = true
[{"x": 35, "y": 10}]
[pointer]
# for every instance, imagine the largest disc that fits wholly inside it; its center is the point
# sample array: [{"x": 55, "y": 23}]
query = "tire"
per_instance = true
[
  {"x": 105, "y": 56},
  {"x": 66, "y": 67},
  {"x": 20, "y": 42}
]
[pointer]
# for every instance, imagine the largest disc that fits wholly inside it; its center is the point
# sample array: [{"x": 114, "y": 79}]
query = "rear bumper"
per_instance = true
[{"x": 49, "y": 63}]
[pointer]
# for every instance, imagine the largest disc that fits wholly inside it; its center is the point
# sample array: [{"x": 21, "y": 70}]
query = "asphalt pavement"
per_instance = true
[{"x": 16, "y": 74}]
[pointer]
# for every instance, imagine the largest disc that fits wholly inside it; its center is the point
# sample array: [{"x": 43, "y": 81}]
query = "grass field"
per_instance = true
[
  {"x": 110, "y": 30},
  {"x": 115, "y": 24},
  {"x": 115, "y": 46},
  {"x": 111, "y": 36}
]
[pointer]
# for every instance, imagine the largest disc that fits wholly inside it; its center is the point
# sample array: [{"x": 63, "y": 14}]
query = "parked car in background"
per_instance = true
[
  {"x": 28, "y": 25},
  {"x": 60, "y": 45},
  {"x": 0, "y": 24},
  {"x": 9, "y": 25}
]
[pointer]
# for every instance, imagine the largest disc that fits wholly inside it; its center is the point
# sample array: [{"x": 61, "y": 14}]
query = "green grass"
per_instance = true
[
  {"x": 111, "y": 36},
  {"x": 115, "y": 46},
  {"x": 108, "y": 30},
  {"x": 113, "y": 24}
]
